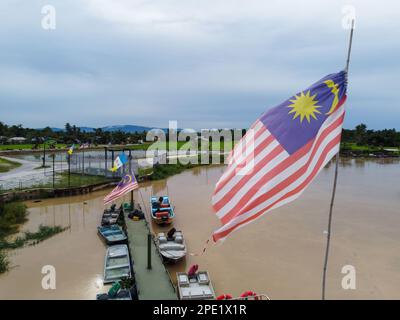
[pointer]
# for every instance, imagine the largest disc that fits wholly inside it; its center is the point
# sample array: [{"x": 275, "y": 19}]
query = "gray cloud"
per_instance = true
[{"x": 218, "y": 64}]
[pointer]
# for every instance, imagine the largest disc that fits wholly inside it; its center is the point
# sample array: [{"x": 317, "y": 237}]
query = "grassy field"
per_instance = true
[
  {"x": 7, "y": 165},
  {"x": 76, "y": 180},
  {"x": 166, "y": 170},
  {"x": 183, "y": 145},
  {"x": 365, "y": 149},
  {"x": 28, "y": 146},
  {"x": 163, "y": 171}
]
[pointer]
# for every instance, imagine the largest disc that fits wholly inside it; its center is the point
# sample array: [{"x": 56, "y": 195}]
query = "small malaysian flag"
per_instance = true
[
  {"x": 281, "y": 154},
  {"x": 127, "y": 184}
]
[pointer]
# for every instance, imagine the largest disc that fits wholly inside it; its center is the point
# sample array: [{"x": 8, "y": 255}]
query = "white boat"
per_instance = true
[
  {"x": 172, "y": 247},
  {"x": 197, "y": 287},
  {"x": 117, "y": 264}
]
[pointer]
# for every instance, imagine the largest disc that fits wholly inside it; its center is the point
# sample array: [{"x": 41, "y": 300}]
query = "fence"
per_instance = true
[{"x": 59, "y": 170}]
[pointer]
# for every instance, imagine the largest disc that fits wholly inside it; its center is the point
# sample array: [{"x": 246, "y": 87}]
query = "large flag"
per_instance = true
[
  {"x": 281, "y": 154},
  {"x": 119, "y": 162},
  {"x": 127, "y": 184}
]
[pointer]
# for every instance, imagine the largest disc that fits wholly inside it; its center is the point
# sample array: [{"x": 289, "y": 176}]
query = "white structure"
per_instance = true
[{"x": 17, "y": 140}]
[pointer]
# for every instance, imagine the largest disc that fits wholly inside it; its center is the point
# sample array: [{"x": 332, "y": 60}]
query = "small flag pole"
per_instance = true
[{"x": 328, "y": 239}]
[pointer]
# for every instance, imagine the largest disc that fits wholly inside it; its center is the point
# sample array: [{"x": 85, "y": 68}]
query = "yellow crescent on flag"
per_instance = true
[{"x": 335, "y": 90}]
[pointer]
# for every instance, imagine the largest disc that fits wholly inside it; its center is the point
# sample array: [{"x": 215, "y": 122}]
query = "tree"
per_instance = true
[
  {"x": 3, "y": 129},
  {"x": 68, "y": 129},
  {"x": 360, "y": 134}
]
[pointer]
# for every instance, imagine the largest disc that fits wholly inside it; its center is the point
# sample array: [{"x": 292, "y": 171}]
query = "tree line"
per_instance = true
[
  {"x": 360, "y": 135},
  {"x": 71, "y": 134},
  {"x": 378, "y": 138}
]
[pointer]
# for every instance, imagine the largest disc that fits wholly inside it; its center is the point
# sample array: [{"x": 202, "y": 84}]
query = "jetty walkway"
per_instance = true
[{"x": 154, "y": 283}]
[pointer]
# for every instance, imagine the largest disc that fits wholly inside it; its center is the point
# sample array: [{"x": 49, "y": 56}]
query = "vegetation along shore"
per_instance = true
[
  {"x": 12, "y": 216},
  {"x": 357, "y": 141}
]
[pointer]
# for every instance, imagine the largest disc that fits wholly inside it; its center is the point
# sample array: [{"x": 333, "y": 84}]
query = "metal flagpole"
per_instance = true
[{"x": 328, "y": 240}]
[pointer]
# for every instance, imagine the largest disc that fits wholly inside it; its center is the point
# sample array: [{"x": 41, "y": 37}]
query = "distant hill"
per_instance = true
[
  {"x": 123, "y": 128},
  {"x": 126, "y": 128}
]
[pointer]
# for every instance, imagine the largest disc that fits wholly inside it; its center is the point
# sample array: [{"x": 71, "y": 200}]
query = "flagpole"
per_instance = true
[{"x": 328, "y": 239}]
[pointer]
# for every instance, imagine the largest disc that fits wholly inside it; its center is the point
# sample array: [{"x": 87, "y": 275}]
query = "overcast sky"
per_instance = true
[{"x": 208, "y": 63}]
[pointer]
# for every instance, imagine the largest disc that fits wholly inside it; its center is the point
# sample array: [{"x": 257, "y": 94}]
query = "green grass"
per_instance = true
[
  {"x": 28, "y": 146},
  {"x": 181, "y": 145},
  {"x": 12, "y": 215},
  {"x": 364, "y": 149},
  {"x": 61, "y": 182},
  {"x": 145, "y": 171},
  {"x": 163, "y": 171},
  {"x": 76, "y": 180},
  {"x": 31, "y": 238},
  {"x": 4, "y": 263},
  {"x": 143, "y": 146},
  {"x": 7, "y": 165}
]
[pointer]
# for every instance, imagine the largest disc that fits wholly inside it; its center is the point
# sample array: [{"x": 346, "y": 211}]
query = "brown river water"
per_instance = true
[{"x": 281, "y": 254}]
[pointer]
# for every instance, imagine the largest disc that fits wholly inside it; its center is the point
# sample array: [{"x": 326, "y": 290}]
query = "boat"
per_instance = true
[
  {"x": 171, "y": 246},
  {"x": 161, "y": 213},
  {"x": 247, "y": 295},
  {"x": 123, "y": 294},
  {"x": 117, "y": 264},
  {"x": 195, "y": 287},
  {"x": 110, "y": 216},
  {"x": 112, "y": 234}
]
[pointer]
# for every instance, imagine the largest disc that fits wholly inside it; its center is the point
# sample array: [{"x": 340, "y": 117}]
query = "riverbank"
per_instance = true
[
  {"x": 8, "y": 165},
  {"x": 12, "y": 217},
  {"x": 77, "y": 253}
]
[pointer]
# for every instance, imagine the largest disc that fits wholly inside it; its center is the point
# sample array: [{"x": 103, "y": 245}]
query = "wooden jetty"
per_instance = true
[{"x": 152, "y": 283}]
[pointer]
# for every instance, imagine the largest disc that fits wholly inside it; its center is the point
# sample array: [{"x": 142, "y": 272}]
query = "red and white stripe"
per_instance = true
[
  {"x": 119, "y": 192},
  {"x": 262, "y": 175}
]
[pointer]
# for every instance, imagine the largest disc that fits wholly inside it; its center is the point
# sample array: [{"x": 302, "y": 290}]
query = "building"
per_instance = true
[{"x": 17, "y": 140}]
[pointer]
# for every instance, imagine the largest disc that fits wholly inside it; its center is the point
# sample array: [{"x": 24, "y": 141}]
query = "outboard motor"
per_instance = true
[{"x": 171, "y": 233}]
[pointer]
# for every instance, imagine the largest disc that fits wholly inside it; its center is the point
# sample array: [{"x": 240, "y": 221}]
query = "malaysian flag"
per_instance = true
[
  {"x": 281, "y": 154},
  {"x": 128, "y": 183}
]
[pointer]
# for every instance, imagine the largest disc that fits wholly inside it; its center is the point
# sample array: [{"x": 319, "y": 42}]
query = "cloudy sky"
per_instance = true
[{"x": 209, "y": 63}]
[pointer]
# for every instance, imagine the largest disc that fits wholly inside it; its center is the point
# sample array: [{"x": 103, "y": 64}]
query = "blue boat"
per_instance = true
[
  {"x": 117, "y": 264},
  {"x": 112, "y": 234},
  {"x": 162, "y": 211}
]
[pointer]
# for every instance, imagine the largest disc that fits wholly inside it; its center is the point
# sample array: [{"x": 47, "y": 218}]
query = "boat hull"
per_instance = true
[
  {"x": 123, "y": 294},
  {"x": 117, "y": 263},
  {"x": 112, "y": 235},
  {"x": 167, "y": 210},
  {"x": 170, "y": 260},
  {"x": 161, "y": 221},
  {"x": 195, "y": 288}
]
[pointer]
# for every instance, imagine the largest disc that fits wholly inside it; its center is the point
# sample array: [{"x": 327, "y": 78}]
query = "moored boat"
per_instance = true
[
  {"x": 117, "y": 264},
  {"x": 162, "y": 211},
  {"x": 110, "y": 216},
  {"x": 112, "y": 234},
  {"x": 195, "y": 285},
  {"x": 123, "y": 294},
  {"x": 171, "y": 246}
]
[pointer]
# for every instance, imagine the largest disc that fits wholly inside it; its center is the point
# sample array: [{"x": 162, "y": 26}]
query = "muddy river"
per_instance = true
[{"x": 280, "y": 255}]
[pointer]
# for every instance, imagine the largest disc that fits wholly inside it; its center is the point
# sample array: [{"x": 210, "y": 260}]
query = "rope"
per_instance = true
[{"x": 203, "y": 251}]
